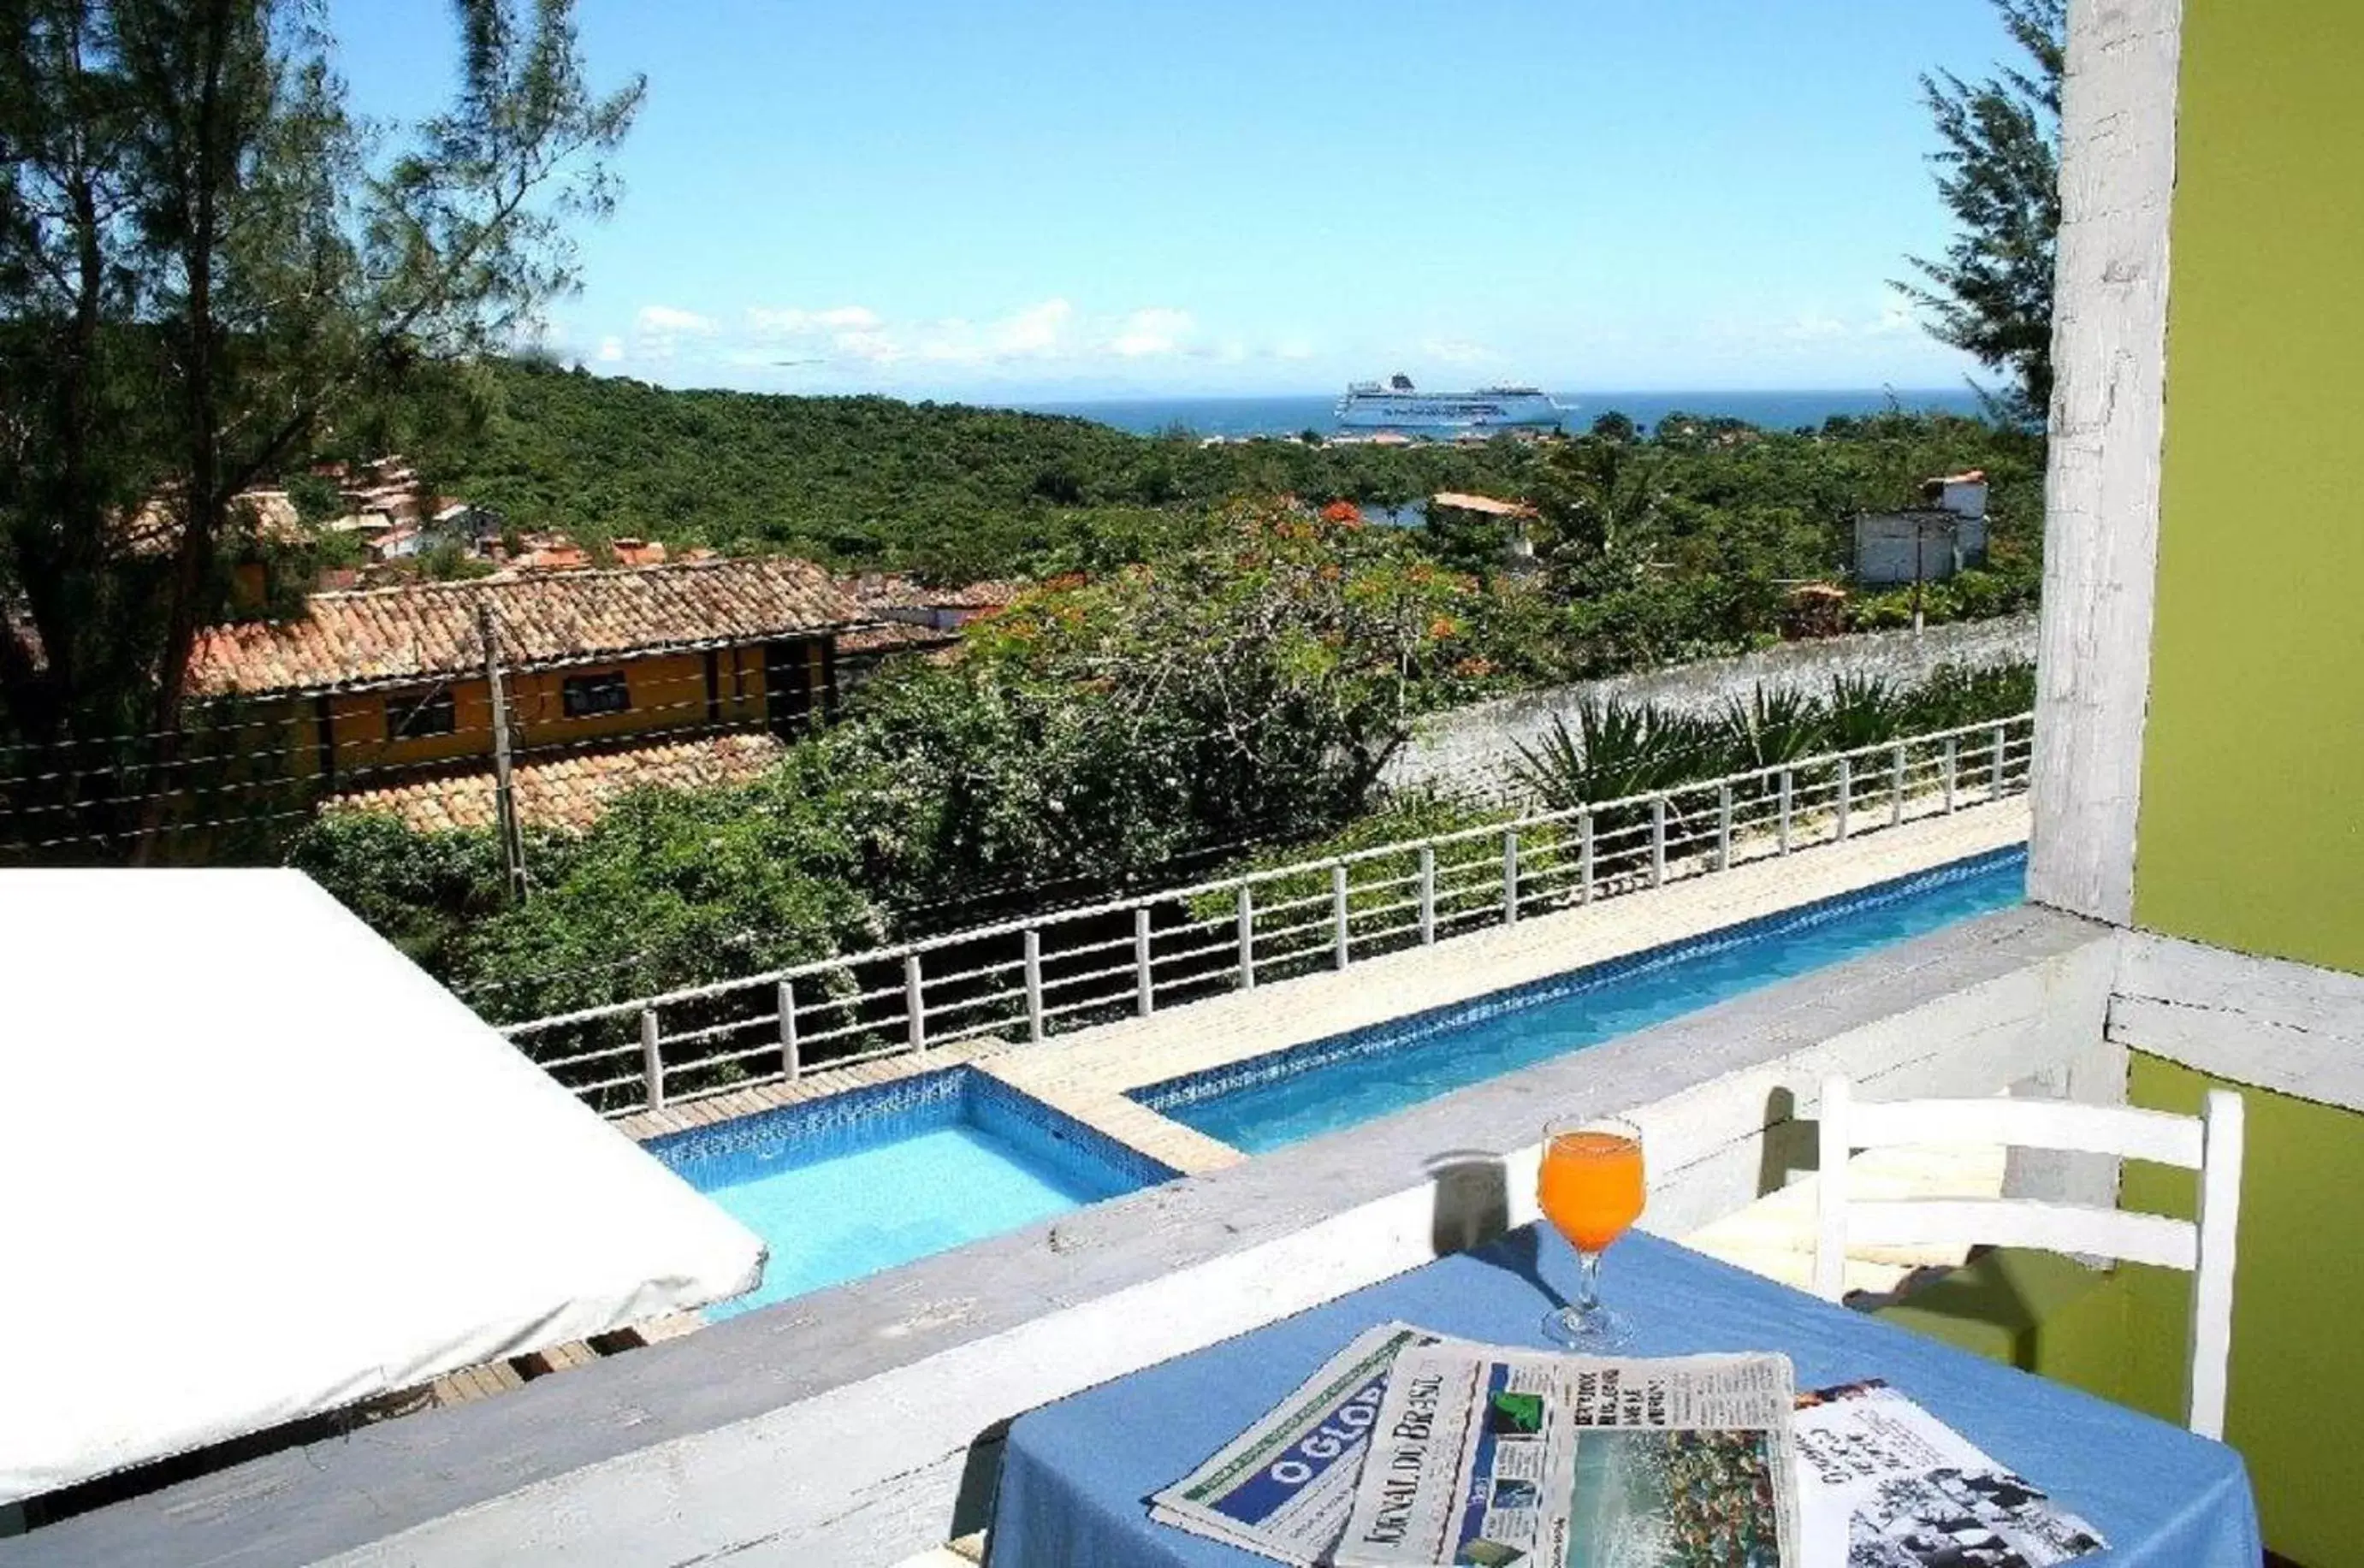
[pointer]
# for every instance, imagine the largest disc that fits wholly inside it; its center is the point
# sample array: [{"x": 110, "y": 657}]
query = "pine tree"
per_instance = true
[
  {"x": 206, "y": 265},
  {"x": 1999, "y": 172}
]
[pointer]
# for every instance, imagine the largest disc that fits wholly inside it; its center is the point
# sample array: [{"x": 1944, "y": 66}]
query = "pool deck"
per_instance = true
[{"x": 1087, "y": 1074}]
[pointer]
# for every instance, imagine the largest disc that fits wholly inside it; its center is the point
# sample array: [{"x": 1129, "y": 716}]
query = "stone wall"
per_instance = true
[{"x": 1474, "y": 748}]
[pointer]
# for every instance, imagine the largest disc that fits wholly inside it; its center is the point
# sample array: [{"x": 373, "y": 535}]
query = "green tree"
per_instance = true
[
  {"x": 1602, "y": 502},
  {"x": 205, "y": 265},
  {"x": 1254, "y": 684},
  {"x": 1998, "y": 171}
]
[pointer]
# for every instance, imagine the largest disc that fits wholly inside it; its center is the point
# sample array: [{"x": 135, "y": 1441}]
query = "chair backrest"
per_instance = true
[{"x": 2209, "y": 1143}]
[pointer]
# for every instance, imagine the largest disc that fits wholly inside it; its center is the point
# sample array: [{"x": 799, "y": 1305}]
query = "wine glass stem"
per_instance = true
[{"x": 1588, "y": 1283}]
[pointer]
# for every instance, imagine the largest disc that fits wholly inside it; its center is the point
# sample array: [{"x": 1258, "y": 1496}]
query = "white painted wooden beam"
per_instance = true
[
  {"x": 2270, "y": 1022},
  {"x": 2101, "y": 548}
]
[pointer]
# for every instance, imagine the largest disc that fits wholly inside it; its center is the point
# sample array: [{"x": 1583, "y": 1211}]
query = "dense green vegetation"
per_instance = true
[
  {"x": 1209, "y": 677},
  {"x": 1248, "y": 688},
  {"x": 961, "y": 493},
  {"x": 957, "y": 492},
  {"x": 1238, "y": 696}
]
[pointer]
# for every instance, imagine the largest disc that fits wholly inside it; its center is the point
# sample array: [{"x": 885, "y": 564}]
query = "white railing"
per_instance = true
[{"x": 1028, "y": 979}]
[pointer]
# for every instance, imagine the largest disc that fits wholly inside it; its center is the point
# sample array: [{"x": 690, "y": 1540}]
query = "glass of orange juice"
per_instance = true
[{"x": 1590, "y": 1189}]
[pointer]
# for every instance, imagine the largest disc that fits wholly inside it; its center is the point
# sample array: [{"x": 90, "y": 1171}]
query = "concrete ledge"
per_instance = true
[{"x": 857, "y": 1425}]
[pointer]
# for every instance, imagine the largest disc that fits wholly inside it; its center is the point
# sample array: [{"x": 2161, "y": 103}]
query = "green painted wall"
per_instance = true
[
  {"x": 2297, "y": 1381},
  {"x": 2252, "y": 836}
]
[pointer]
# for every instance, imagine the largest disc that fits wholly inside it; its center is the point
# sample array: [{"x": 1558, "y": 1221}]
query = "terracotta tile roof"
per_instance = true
[
  {"x": 570, "y": 791},
  {"x": 987, "y": 595},
  {"x": 555, "y": 558},
  {"x": 893, "y": 637},
  {"x": 428, "y": 630},
  {"x": 898, "y": 590},
  {"x": 1486, "y": 506}
]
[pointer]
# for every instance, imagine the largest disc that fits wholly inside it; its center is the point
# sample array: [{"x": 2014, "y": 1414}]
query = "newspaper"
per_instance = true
[
  {"x": 1283, "y": 1487},
  {"x": 1883, "y": 1483},
  {"x": 1489, "y": 1457}
]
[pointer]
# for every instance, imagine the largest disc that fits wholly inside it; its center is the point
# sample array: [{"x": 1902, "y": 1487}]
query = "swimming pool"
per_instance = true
[
  {"x": 1272, "y": 1101},
  {"x": 858, "y": 1182}
]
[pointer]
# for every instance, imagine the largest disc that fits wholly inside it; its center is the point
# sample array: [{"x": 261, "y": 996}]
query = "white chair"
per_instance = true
[{"x": 2209, "y": 1143}]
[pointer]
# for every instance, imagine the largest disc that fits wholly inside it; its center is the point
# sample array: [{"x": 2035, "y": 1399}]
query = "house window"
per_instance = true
[
  {"x": 587, "y": 696},
  {"x": 417, "y": 714}
]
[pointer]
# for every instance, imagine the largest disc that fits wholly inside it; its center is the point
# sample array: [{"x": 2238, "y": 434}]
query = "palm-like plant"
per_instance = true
[
  {"x": 1616, "y": 749},
  {"x": 1600, "y": 502},
  {"x": 1954, "y": 695},
  {"x": 1772, "y": 727},
  {"x": 1864, "y": 710}
]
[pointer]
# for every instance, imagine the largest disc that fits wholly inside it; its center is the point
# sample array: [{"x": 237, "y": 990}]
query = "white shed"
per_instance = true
[{"x": 1886, "y": 543}]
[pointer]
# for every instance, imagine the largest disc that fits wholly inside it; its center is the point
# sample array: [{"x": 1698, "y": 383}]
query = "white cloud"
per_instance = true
[
  {"x": 1037, "y": 331},
  {"x": 1459, "y": 352},
  {"x": 666, "y": 318},
  {"x": 660, "y": 329},
  {"x": 766, "y": 322},
  {"x": 1157, "y": 330},
  {"x": 1892, "y": 320},
  {"x": 1050, "y": 340}
]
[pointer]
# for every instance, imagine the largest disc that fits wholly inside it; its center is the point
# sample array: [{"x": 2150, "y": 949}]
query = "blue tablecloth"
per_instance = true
[{"x": 1075, "y": 1474}]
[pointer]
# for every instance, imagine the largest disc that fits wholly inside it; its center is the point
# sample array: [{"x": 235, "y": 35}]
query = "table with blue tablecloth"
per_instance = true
[{"x": 1076, "y": 1476}]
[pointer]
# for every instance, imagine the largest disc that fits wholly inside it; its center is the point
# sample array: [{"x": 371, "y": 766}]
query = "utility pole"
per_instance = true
[
  {"x": 504, "y": 789},
  {"x": 1919, "y": 545}
]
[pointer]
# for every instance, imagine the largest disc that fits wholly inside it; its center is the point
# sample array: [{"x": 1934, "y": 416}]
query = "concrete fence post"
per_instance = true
[
  {"x": 1723, "y": 827},
  {"x": 914, "y": 1009},
  {"x": 1338, "y": 911},
  {"x": 1584, "y": 858},
  {"x": 1996, "y": 792},
  {"x": 1953, "y": 772},
  {"x": 792, "y": 1066},
  {"x": 1657, "y": 840},
  {"x": 1247, "y": 936},
  {"x": 653, "y": 1057},
  {"x": 1846, "y": 794},
  {"x": 1896, "y": 786},
  {"x": 1788, "y": 792},
  {"x": 1427, "y": 894},
  {"x": 1510, "y": 876},
  {"x": 1144, "y": 984},
  {"x": 1033, "y": 983}
]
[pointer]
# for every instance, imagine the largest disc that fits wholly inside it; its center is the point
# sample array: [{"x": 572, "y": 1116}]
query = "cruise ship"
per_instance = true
[{"x": 1397, "y": 405}]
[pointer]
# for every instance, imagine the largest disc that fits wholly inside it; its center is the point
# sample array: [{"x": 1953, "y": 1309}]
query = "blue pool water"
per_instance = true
[
  {"x": 1276, "y": 1100},
  {"x": 860, "y": 1181}
]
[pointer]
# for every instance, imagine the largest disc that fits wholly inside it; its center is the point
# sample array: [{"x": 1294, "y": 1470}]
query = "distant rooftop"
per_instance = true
[
  {"x": 570, "y": 790},
  {"x": 900, "y": 591},
  {"x": 1486, "y": 504},
  {"x": 427, "y": 631}
]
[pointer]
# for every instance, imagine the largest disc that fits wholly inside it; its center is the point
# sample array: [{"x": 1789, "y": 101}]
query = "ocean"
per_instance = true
[{"x": 1292, "y": 416}]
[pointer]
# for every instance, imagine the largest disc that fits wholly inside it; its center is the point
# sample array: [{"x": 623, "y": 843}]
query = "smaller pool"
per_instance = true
[
  {"x": 1269, "y": 1102},
  {"x": 847, "y": 1186}
]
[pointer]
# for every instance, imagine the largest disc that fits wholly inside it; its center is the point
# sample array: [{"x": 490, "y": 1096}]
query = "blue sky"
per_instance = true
[{"x": 1048, "y": 198}]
